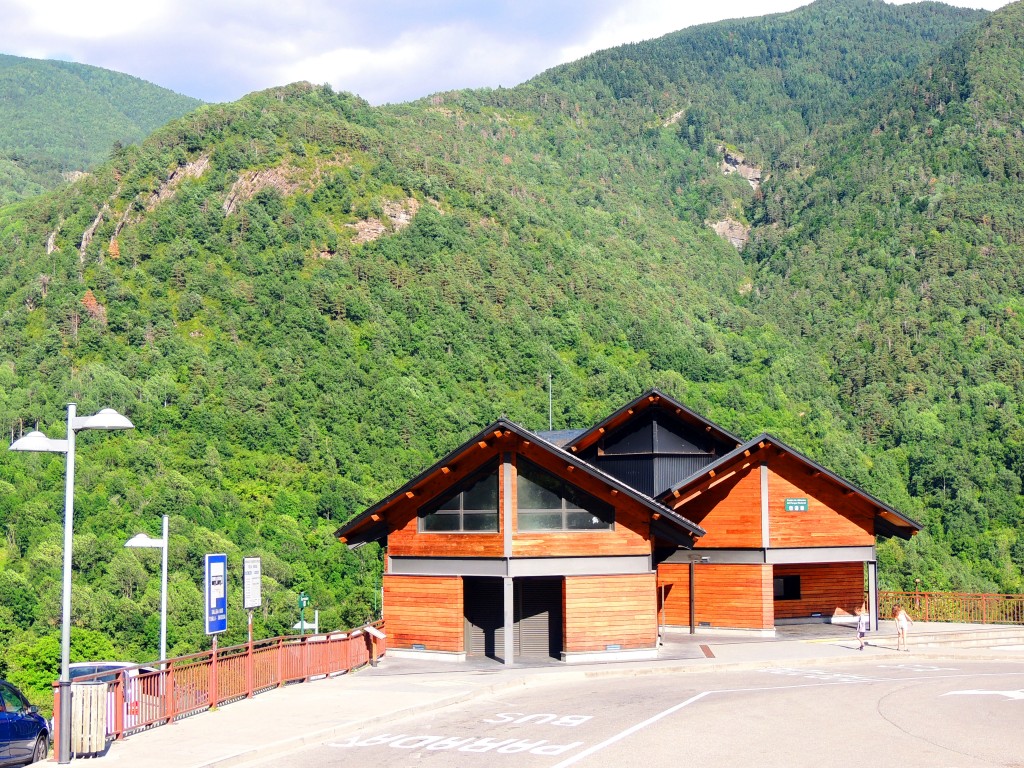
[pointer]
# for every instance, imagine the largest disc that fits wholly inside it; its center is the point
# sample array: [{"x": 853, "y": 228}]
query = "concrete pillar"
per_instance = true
[{"x": 510, "y": 618}]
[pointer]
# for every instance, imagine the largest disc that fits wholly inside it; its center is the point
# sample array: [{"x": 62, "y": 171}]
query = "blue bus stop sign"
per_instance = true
[{"x": 216, "y": 594}]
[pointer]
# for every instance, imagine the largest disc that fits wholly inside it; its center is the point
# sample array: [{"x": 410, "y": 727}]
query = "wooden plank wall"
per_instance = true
[
  {"x": 831, "y": 589},
  {"x": 833, "y": 518},
  {"x": 603, "y": 610},
  {"x": 726, "y": 596},
  {"x": 424, "y": 609},
  {"x": 730, "y": 511}
]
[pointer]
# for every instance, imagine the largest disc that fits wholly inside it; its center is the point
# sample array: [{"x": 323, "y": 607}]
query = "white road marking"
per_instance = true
[
  {"x": 1012, "y": 695},
  {"x": 629, "y": 731}
]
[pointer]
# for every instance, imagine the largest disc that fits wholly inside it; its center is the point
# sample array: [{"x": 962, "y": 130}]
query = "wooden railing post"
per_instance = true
[{"x": 119, "y": 691}]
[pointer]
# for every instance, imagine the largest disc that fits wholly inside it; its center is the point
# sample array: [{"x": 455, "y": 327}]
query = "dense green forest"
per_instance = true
[
  {"x": 301, "y": 300},
  {"x": 58, "y": 117}
]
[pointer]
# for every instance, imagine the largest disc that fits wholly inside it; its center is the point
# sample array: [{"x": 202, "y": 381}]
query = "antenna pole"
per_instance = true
[{"x": 550, "y": 420}]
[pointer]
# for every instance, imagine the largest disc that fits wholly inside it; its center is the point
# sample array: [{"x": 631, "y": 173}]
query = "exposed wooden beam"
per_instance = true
[
  {"x": 410, "y": 495},
  {"x": 375, "y": 518},
  {"x": 656, "y": 516},
  {"x": 600, "y": 430},
  {"x": 711, "y": 473},
  {"x": 482, "y": 444},
  {"x": 746, "y": 453},
  {"x": 343, "y": 539},
  {"x": 570, "y": 468},
  {"x": 630, "y": 411},
  {"x": 615, "y": 491},
  {"x": 573, "y": 449},
  {"x": 446, "y": 471}
]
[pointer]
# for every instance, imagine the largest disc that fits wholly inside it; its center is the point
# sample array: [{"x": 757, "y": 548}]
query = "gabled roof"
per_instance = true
[
  {"x": 888, "y": 521},
  {"x": 650, "y": 398},
  {"x": 370, "y": 526}
]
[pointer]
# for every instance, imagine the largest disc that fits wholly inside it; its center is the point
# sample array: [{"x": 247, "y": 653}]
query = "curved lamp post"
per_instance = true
[
  {"x": 36, "y": 441},
  {"x": 142, "y": 540}
]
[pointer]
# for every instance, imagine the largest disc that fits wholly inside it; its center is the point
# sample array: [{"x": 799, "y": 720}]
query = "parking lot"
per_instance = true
[{"x": 908, "y": 713}]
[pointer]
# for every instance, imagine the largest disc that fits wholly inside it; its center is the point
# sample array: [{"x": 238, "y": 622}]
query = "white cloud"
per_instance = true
[{"x": 388, "y": 50}]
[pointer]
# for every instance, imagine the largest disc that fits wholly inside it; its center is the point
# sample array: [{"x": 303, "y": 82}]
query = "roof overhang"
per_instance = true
[
  {"x": 888, "y": 521},
  {"x": 371, "y": 525}
]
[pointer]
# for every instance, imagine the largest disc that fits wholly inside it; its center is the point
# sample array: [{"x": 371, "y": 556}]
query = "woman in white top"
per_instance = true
[{"x": 903, "y": 622}]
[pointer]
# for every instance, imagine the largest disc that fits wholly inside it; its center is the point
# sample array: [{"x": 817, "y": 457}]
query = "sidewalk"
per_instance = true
[{"x": 287, "y": 718}]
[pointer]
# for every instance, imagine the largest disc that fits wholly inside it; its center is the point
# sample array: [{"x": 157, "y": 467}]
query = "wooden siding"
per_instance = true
[
  {"x": 832, "y": 589},
  {"x": 730, "y": 510},
  {"x": 424, "y": 610},
  {"x": 609, "y": 610},
  {"x": 833, "y": 518},
  {"x": 726, "y": 596}
]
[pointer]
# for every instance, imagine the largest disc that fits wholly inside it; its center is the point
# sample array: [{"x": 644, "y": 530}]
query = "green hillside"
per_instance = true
[
  {"x": 57, "y": 117},
  {"x": 898, "y": 258},
  {"x": 301, "y": 300}
]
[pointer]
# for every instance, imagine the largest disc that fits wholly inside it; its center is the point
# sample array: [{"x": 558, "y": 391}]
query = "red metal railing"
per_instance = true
[
  {"x": 957, "y": 607},
  {"x": 144, "y": 696}
]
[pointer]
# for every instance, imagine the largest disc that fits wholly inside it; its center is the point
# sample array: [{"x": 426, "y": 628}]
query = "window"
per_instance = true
[
  {"x": 787, "y": 587},
  {"x": 548, "y": 503},
  {"x": 471, "y": 508}
]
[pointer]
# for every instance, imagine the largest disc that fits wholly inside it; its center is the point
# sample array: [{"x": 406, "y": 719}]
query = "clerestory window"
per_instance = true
[
  {"x": 548, "y": 503},
  {"x": 472, "y": 507}
]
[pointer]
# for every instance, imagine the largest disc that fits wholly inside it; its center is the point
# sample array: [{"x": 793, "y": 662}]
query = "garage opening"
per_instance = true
[{"x": 537, "y": 617}]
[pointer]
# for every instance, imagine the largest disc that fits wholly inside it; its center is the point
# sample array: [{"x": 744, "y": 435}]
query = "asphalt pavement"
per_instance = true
[{"x": 287, "y": 718}]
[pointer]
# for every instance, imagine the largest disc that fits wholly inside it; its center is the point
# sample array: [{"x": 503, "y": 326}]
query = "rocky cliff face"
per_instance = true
[{"x": 733, "y": 162}]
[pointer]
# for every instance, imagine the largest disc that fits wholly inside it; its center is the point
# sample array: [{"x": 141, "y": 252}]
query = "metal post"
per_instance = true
[
  {"x": 248, "y": 662},
  {"x": 64, "y": 732},
  {"x": 508, "y": 601},
  {"x": 163, "y": 597},
  {"x": 693, "y": 612},
  {"x": 213, "y": 676}
]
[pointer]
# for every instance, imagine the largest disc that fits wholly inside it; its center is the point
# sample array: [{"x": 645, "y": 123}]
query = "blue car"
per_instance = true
[{"x": 24, "y": 733}]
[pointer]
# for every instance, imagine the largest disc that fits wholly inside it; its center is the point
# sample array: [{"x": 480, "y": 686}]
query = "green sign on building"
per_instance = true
[{"x": 796, "y": 505}]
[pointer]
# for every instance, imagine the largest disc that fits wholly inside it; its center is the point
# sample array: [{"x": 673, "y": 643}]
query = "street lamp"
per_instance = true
[
  {"x": 142, "y": 540},
  {"x": 36, "y": 441}
]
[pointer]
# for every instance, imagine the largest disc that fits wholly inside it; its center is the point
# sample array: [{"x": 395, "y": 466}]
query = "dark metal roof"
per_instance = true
[
  {"x": 502, "y": 425},
  {"x": 883, "y": 527},
  {"x": 721, "y": 433},
  {"x": 561, "y": 437}
]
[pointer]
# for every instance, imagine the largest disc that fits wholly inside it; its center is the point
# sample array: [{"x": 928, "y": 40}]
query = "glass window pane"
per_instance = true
[
  {"x": 582, "y": 520},
  {"x": 482, "y": 494},
  {"x": 540, "y": 521},
  {"x": 532, "y": 495},
  {"x": 441, "y": 521},
  {"x": 480, "y": 521},
  {"x": 454, "y": 503}
]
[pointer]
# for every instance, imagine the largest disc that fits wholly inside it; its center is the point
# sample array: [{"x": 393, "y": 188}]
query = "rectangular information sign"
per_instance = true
[
  {"x": 216, "y": 593},
  {"x": 796, "y": 505},
  {"x": 252, "y": 583}
]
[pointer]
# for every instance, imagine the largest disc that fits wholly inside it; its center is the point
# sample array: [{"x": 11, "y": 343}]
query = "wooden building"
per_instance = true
[{"x": 581, "y": 544}]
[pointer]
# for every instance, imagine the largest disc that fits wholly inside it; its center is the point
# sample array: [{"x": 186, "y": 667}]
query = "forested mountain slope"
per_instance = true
[
  {"x": 896, "y": 253},
  {"x": 301, "y": 300},
  {"x": 57, "y": 117}
]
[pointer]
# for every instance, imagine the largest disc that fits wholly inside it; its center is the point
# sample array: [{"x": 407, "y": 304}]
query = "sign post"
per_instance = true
[
  {"x": 252, "y": 598},
  {"x": 216, "y": 611}
]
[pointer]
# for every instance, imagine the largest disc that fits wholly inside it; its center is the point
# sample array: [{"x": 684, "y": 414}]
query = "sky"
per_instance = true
[{"x": 383, "y": 50}]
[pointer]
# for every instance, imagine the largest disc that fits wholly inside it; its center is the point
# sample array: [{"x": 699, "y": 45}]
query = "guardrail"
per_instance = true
[
  {"x": 148, "y": 695},
  {"x": 956, "y": 607}
]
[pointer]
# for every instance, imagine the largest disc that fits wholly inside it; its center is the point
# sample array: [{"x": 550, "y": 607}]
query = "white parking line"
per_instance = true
[{"x": 633, "y": 729}]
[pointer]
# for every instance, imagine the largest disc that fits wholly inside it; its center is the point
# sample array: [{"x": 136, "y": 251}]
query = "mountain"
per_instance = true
[
  {"x": 302, "y": 300},
  {"x": 57, "y": 117}
]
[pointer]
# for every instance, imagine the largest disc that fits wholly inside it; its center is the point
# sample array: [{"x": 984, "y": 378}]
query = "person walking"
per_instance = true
[
  {"x": 863, "y": 625},
  {"x": 903, "y": 622}
]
